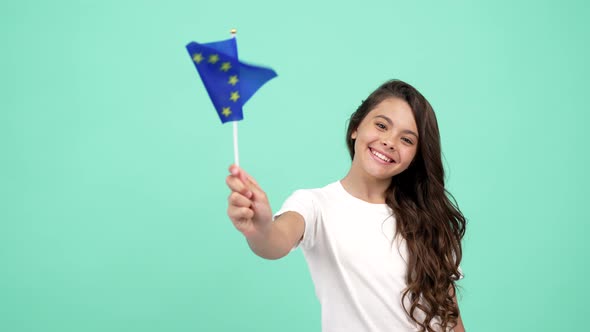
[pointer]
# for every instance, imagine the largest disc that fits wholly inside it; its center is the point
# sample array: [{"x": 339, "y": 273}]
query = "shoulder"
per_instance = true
[
  {"x": 309, "y": 202},
  {"x": 326, "y": 193},
  {"x": 312, "y": 205}
]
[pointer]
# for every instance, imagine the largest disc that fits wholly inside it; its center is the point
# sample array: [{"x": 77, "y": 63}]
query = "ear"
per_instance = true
[{"x": 353, "y": 135}]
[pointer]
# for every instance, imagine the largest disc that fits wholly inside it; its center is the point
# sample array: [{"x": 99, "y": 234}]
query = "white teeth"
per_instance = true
[{"x": 381, "y": 156}]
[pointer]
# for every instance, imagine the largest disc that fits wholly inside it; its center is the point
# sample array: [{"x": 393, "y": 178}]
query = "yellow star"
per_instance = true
[
  {"x": 198, "y": 58},
  {"x": 226, "y": 111},
  {"x": 225, "y": 66},
  {"x": 233, "y": 80},
  {"x": 213, "y": 58},
  {"x": 235, "y": 96}
]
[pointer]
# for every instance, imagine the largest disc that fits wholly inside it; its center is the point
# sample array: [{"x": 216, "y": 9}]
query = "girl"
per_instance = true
[{"x": 383, "y": 244}]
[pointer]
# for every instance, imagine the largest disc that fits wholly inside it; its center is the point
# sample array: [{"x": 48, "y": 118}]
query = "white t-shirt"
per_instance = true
[{"x": 357, "y": 268}]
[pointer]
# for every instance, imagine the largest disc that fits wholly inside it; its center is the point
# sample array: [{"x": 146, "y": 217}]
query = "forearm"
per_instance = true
[{"x": 273, "y": 244}]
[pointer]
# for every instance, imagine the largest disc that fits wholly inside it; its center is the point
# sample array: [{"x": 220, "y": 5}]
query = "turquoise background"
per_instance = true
[{"x": 112, "y": 196}]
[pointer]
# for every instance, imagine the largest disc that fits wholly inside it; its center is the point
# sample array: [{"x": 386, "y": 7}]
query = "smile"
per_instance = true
[{"x": 381, "y": 156}]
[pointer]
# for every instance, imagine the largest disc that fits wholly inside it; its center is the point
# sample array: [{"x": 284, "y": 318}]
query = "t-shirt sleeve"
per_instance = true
[{"x": 303, "y": 202}]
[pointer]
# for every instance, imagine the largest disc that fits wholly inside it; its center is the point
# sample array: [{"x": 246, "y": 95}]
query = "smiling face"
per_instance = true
[{"x": 386, "y": 140}]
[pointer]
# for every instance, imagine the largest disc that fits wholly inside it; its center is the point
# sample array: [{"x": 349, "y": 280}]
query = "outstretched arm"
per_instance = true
[{"x": 250, "y": 212}]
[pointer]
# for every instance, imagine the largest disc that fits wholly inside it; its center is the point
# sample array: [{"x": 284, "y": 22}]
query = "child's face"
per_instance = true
[{"x": 386, "y": 140}]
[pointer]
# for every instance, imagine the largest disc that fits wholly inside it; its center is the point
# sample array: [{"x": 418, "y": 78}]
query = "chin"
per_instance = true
[{"x": 382, "y": 176}]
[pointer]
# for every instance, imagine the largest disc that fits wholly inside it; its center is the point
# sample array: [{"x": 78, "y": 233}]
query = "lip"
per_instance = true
[{"x": 379, "y": 159}]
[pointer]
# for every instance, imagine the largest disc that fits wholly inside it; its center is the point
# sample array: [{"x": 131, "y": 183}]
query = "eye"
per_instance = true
[
  {"x": 381, "y": 126},
  {"x": 408, "y": 141}
]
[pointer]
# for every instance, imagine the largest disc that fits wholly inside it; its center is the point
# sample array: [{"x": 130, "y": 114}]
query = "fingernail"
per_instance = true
[{"x": 234, "y": 171}]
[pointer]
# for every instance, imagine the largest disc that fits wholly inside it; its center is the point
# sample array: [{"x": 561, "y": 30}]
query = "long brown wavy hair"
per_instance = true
[{"x": 431, "y": 224}]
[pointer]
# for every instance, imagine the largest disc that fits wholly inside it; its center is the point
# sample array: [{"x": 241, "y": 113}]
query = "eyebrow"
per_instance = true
[{"x": 406, "y": 131}]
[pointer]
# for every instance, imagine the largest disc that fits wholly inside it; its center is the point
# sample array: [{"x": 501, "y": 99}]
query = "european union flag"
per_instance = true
[{"x": 229, "y": 82}]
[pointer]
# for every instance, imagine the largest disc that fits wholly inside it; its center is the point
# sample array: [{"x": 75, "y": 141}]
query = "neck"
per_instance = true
[{"x": 367, "y": 189}]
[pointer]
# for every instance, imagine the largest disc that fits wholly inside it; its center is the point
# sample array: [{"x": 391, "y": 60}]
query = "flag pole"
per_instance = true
[{"x": 236, "y": 154}]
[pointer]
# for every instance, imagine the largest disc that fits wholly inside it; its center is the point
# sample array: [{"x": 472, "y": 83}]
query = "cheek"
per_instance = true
[
  {"x": 359, "y": 141},
  {"x": 409, "y": 155}
]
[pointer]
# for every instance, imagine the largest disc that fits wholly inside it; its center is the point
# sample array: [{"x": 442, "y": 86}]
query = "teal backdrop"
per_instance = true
[{"x": 112, "y": 191}]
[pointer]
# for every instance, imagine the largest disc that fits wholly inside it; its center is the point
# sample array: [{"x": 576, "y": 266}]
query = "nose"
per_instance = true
[{"x": 388, "y": 145}]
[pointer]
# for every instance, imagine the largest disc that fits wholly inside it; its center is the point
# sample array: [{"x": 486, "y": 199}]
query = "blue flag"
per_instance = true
[{"x": 229, "y": 82}]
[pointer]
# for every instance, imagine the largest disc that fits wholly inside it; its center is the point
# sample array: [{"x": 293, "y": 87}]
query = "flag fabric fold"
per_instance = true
[{"x": 229, "y": 82}]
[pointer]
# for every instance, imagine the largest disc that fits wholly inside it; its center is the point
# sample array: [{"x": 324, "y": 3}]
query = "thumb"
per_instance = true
[
  {"x": 258, "y": 195},
  {"x": 249, "y": 179},
  {"x": 257, "y": 192}
]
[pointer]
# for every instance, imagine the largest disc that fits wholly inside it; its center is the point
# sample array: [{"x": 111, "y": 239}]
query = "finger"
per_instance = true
[
  {"x": 236, "y": 185},
  {"x": 242, "y": 174},
  {"x": 248, "y": 178},
  {"x": 253, "y": 186},
  {"x": 257, "y": 194},
  {"x": 234, "y": 169},
  {"x": 239, "y": 200},
  {"x": 240, "y": 213}
]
